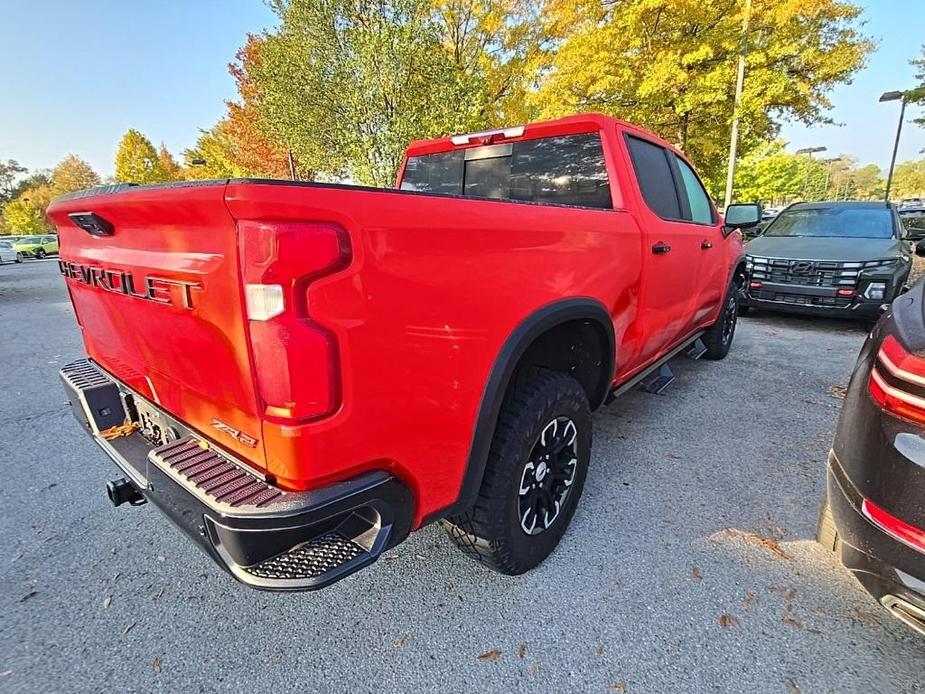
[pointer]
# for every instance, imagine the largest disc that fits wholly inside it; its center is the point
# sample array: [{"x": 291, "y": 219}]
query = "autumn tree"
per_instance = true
[
  {"x": 26, "y": 214},
  {"x": 215, "y": 155},
  {"x": 137, "y": 161},
  {"x": 168, "y": 164},
  {"x": 670, "y": 66},
  {"x": 72, "y": 173},
  {"x": 346, "y": 85}
]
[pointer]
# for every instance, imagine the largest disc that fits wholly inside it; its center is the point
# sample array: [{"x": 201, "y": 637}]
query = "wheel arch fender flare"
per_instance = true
[{"x": 513, "y": 349}]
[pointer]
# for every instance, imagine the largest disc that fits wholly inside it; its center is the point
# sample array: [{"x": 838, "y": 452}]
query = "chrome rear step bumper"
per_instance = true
[{"x": 266, "y": 537}]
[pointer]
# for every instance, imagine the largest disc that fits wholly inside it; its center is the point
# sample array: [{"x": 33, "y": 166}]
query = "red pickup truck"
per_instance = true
[{"x": 299, "y": 374}]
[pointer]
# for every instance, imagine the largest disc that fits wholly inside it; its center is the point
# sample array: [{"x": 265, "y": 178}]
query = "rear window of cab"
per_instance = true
[{"x": 563, "y": 170}]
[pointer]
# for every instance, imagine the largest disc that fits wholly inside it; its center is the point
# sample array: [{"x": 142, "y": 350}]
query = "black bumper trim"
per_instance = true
[
  {"x": 270, "y": 538},
  {"x": 884, "y": 566}
]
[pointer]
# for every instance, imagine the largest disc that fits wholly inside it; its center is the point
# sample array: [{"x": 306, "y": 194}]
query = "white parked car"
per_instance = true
[{"x": 8, "y": 254}]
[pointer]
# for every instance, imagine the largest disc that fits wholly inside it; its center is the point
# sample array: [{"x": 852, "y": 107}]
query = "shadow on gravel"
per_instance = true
[{"x": 798, "y": 322}]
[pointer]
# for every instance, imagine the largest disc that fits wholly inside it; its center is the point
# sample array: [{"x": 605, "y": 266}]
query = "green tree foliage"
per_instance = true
[
  {"x": 919, "y": 96},
  {"x": 72, "y": 173},
  {"x": 9, "y": 172},
  {"x": 770, "y": 175},
  {"x": 346, "y": 84},
  {"x": 137, "y": 161},
  {"x": 909, "y": 180},
  {"x": 670, "y": 66}
]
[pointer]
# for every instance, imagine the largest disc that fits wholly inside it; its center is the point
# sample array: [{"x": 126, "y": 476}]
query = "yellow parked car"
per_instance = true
[{"x": 37, "y": 246}]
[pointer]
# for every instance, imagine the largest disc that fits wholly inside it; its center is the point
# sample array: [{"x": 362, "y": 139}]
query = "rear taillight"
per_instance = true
[
  {"x": 897, "y": 381},
  {"x": 297, "y": 365},
  {"x": 896, "y": 527}
]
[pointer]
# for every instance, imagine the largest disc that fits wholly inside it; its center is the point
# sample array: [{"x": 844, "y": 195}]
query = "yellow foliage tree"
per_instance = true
[
  {"x": 137, "y": 161},
  {"x": 670, "y": 66}
]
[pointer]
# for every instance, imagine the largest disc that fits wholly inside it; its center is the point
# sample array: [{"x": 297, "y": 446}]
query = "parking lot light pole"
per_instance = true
[
  {"x": 737, "y": 105},
  {"x": 809, "y": 151},
  {"x": 901, "y": 97}
]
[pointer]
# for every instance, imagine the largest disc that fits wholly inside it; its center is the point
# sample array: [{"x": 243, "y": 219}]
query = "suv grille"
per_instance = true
[{"x": 807, "y": 273}]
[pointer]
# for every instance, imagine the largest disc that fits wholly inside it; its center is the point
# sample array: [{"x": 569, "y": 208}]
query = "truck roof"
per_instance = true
[{"x": 570, "y": 125}]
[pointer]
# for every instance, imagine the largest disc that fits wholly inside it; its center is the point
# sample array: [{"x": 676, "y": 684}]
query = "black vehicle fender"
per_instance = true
[{"x": 499, "y": 378}]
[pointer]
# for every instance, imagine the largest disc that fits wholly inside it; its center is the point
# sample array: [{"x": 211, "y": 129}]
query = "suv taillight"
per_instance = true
[
  {"x": 897, "y": 381},
  {"x": 296, "y": 359}
]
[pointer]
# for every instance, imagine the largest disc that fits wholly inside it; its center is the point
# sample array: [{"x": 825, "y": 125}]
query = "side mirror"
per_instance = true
[{"x": 743, "y": 216}]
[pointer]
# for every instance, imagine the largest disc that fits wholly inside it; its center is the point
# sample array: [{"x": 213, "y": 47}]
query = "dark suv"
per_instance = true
[
  {"x": 829, "y": 258},
  {"x": 875, "y": 513}
]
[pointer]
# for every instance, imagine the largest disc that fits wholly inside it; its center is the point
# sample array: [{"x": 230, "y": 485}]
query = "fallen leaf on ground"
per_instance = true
[
  {"x": 28, "y": 596},
  {"x": 673, "y": 456},
  {"x": 128, "y": 627},
  {"x": 617, "y": 687},
  {"x": 766, "y": 542},
  {"x": 695, "y": 574},
  {"x": 391, "y": 557},
  {"x": 792, "y": 686},
  {"x": 791, "y": 594},
  {"x": 838, "y": 392},
  {"x": 599, "y": 651},
  {"x": 107, "y": 601},
  {"x": 156, "y": 665},
  {"x": 490, "y": 655},
  {"x": 728, "y": 620},
  {"x": 400, "y": 641},
  {"x": 419, "y": 556},
  {"x": 522, "y": 651},
  {"x": 789, "y": 619},
  {"x": 159, "y": 593},
  {"x": 749, "y": 599}
]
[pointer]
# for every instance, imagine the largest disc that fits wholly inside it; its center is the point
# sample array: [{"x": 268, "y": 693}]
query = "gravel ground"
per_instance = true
[{"x": 657, "y": 586}]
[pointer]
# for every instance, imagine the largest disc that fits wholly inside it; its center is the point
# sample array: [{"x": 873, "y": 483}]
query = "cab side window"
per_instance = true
[{"x": 653, "y": 171}]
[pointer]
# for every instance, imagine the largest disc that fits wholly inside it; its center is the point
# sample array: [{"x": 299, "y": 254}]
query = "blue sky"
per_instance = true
[{"x": 79, "y": 74}]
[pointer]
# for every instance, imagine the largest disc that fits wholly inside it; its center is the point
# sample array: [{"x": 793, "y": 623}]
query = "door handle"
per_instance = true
[
  {"x": 660, "y": 248},
  {"x": 705, "y": 245}
]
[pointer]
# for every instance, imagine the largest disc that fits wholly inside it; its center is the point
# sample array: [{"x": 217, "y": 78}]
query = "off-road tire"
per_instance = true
[
  {"x": 490, "y": 532},
  {"x": 718, "y": 337}
]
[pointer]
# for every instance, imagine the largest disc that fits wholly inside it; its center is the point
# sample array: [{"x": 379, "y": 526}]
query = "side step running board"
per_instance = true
[
  {"x": 697, "y": 349},
  {"x": 657, "y": 381},
  {"x": 659, "y": 375}
]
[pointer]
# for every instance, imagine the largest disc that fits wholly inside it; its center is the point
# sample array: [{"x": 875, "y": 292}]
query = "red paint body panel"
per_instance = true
[{"x": 433, "y": 288}]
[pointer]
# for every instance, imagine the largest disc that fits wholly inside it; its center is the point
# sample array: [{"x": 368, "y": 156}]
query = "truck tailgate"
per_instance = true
[{"x": 159, "y": 302}]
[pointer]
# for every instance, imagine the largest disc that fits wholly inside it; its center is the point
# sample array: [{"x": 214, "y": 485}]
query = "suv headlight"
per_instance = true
[{"x": 885, "y": 265}]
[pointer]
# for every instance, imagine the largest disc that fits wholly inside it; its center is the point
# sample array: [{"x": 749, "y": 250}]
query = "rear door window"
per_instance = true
[
  {"x": 656, "y": 181},
  {"x": 566, "y": 170}
]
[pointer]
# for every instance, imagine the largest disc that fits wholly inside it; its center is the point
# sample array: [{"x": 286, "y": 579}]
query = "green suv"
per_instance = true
[{"x": 37, "y": 246}]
